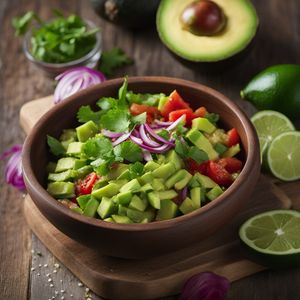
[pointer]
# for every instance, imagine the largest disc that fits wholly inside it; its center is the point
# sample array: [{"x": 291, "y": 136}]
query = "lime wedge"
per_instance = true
[
  {"x": 268, "y": 125},
  {"x": 284, "y": 156},
  {"x": 273, "y": 236}
]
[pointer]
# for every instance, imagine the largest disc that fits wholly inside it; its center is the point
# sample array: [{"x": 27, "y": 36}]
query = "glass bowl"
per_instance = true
[{"x": 53, "y": 69}]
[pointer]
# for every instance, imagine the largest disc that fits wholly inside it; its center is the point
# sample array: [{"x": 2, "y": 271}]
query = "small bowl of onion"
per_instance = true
[{"x": 89, "y": 59}]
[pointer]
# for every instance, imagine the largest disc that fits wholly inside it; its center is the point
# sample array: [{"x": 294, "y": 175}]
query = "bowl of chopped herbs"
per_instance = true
[{"x": 59, "y": 44}]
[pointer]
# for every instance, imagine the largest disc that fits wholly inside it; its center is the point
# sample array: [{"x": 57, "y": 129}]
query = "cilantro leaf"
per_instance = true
[
  {"x": 107, "y": 103},
  {"x": 113, "y": 59},
  {"x": 139, "y": 119},
  {"x": 116, "y": 120},
  {"x": 164, "y": 134},
  {"x": 98, "y": 147},
  {"x": 85, "y": 114},
  {"x": 122, "y": 93},
  {"x": 136, "y": 170},
  {"x": 197, "y": 155},
  {"x": 101, "y": 166},
  {"x": 22, "y": 23},
  {"x": 212, "y": 118},
  {"x": 129, "y": 151},
  {"x": 55, "y": 145},
  {"x": 182, "y": 149},
  {"x": 148, "y": 99}
]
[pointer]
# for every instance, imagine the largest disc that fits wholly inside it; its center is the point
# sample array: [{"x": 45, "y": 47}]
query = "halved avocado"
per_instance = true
[
  {"x": 241, "y": 26},
  {"x": 128, "y": 13}
]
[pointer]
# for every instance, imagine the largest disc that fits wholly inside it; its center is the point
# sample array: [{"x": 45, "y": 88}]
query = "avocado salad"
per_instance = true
[{"x": 142, "y": 158}]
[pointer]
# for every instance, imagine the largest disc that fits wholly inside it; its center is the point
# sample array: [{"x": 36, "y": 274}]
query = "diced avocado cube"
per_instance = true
[
  {"x": 121, "y": 219},
  {"x": 79, "y": 163},
  {"x": 145, "y": 221},
  {"x": 196, "y": 196},
  {"x": 161, "y": 159},
  {"x": 154, "y": 199},
  {"x": 131, "y": 186},
  {"x": 125, "y": 175},
  {"x": 164, "y": 171},
  {"x": 158, "y": 184},
  {"x": 187, "y": 206},
  {"x": 77, "y": 210},
  {"x": 75, "y": 148},
  {"x": 119, "y": 182},
  {"x": 83, "y": 171},
  {"x": 162, "y": 102},
  {"x": 124, "y": 198},
  {"x": 138, "y": 203},
  {"x": 151, "y": 166},
  {"x": 107, "y": 191},
  {"x": 135, "y": 215},
  {"x": 150, "y": 214},
  {"x": 99, "y": 184},
  {"x": 179, "y": 185},
  {"x": 64, "y": 164},
  {"x": 116, "y": 171},
  {"x": 66, "y": 144},
  {"x": 178, "y": 176},
  {"x": 214, "y": 193},
  {"x": 68, "y": 134},
  {"x": 63, "y": 176},
  {"x": 168, "y": 210},
  {"x": 200, "y": 141},
  {"x": 106, "y": 208},
  {"x": 205, "y": 181},
  {"x": 122, "y": 210},
  {"x": 109, "y": 220},
  {"x": 83, "y": 200},
  {"x": 174, "y": 158},
  {"x": 91, "y": 207},
  {"x": 146, "y": 188},
  {"x": 203, "y": 124},
  {"x": 194, "y": 182},
  {"x": 146, "y": 178},
  {"x": 51, "y": 166},
  {"x": 61, "y": 189},
  {"x": 220, "y": 148},
  {"x": 232, "y": 151},
  {"x": 170, "y": 194},
  {"x": 86, "y": 131}
]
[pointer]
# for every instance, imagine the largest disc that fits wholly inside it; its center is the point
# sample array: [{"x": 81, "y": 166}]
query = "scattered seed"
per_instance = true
[
  {"x": 54, "y": 271},
  {"x": 49, "y": 280},
  {"x": 56, "y": 266},
  {"x": 71, "y": 295},
  {"x": 40, "y": 265},
  {"x": 80, "y": 284},
  {"x": 51, "y": 285},
  {"x": 87, "y": 290},
  {"x": 48, "y": 274},
  {"x": 38, "y": 274},
  {"x": 45, "y": 265},
  {"x": 61, "y": 280},
  {"x": 62, "y": 297},
  {"x": 32, "y": 251},
  {"x": 62, "y": 291},
  {"x": 32, "y": 269},
  {"x": 56, "y": 292},
  {"x": 88, "y": 298}
]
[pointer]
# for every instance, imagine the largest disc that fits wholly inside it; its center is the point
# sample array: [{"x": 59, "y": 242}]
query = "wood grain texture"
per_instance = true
[
  {"x": 164, "y": 275},
  {"x": 278, "y": 41}
]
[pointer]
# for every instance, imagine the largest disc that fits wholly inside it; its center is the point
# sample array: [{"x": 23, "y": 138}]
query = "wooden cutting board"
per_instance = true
[{"x": 157, "y": 277}]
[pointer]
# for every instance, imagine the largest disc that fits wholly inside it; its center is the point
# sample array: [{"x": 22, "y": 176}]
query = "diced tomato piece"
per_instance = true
[
  {"x": 74, "y": 200},
  {"x": 137, "y": 109},
  {"x": 175, "y": 102},
  {"x": 189, "y": 115},
  {"x": 233, "y": 137},
  {"x": 200, "y": 112},
  {"x": 194, "y": 167},
  {"x": 219, "y": 174},
  {"x": 86, "y": 184},
  {"x": 231, "y": 164}
]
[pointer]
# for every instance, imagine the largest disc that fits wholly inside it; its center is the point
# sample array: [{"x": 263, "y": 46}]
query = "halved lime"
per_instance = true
[
  {"x": 268, "y": 125},
  {"x": 274, "y": 237},
  {"x": 284, "y": 156}
]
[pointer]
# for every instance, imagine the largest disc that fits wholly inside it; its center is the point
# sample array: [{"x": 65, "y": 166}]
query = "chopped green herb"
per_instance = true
[
  {"x": 98, "y": 147},
  {"x": 107, "y": 103},
  {"x": 164, "y": 134},
  {"x": 129, "y": 151},
  {"x": 113, "y": 59},
  {"x": 136, "y": 169},
  {"x": 212, "y": 118},
  {"x": 148, "y": 99},
  {"x": 101, "y": 166},
  {"x": 86, "y": 114},
  {"x": 56, "y": 148},
  {"x": 182, "y": 149},
  {"x": 116, "y": 120},
  {"x": 139, "y": 119}
]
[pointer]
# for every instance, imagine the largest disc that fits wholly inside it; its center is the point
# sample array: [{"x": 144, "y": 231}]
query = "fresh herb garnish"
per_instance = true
[
  {"x": 98, "y": 147},
  {"x": 136, "y": 170},
  {"x": 61, "y": 40},
  {"x": 148, "y": 99},
  {"x": 107, "y": 103},
  {"x": 85, "y": 114},
  {"x": 56, "y": 148},
  {"x": 212, "y": 118},
  {"x": 129, "y": 151},
  {"x": 116, "y": 120},
  {"x": 113, "y": 59}
]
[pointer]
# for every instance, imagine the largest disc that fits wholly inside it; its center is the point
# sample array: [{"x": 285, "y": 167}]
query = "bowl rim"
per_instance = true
[
  {"x": 251, "y": 159},
  {"x": 78, "y": 61}
]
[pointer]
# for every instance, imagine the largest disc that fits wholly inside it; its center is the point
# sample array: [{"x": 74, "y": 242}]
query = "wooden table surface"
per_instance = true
[{"x": 25, "y": 264}]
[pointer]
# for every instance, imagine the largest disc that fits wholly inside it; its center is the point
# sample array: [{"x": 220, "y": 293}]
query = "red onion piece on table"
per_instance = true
[
  {"x": 205, "y": 286},
  {"x": 13, "y": 168},
  {"x": 74, "y": 80}
]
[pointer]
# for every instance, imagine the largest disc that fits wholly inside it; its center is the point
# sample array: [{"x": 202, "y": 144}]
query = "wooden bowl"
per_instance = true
[{"x": 141, "y": 240}]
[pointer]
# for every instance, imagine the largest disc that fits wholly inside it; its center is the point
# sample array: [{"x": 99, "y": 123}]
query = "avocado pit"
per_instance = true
[{"x": 203, "y": 18}]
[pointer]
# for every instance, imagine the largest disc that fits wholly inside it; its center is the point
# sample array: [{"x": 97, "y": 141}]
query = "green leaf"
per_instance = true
[
  {"x": 122, "y": 93},
  {"x": 22, "y": 23},
  {"x": 116, "y": 120},
  {"x": 98, "y": 147},
  {"x": 139, "y": 119},
  {"x": 148, "y": 99},
  {"x": 182, "y": 149},
  {"x": 129, "y": 151},
  {"x": 107, "y": 103},
  {"x": 212, "y": 118},
  {"x": 101, "y": 166},
  {"x": 55, "y": 146},
  {"x": 136, "y": 170},
  {"x": 86, "y": 114},
  {"x": 113, "y": 59},
  {"x": 220, "y": 148},
  {"x": 164, "y": 134},
  {"x": 198, "y": 155}
]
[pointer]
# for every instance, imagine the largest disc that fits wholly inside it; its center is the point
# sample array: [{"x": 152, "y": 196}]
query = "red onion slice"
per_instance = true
[
  {"x": 111, "y": 134},
  {"x": 156, "y": 136},
  {"x": 161, "y": 123},
  {"x": 147, "y": 155},
  {"x": 121, "y": 139},
  {"x": 176, "y": 123},
  {"x": 146, "y": 139}
]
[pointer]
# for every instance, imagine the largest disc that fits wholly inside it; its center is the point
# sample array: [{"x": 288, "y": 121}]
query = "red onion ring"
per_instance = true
[
  {"x": 146, "y": 139},
  {"x": 156, "y": 136},
  {"x": 121, "y": 139},
  {"x": 111, "y": 134},
  {"x": 176, "y": 123}
]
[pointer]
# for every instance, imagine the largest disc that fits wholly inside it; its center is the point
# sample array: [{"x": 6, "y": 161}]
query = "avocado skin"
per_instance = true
[{"x": 130, "y": 13}]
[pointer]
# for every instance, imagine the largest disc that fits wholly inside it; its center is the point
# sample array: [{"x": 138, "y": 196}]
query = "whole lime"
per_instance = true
[{"x": 276, "y": 88}]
